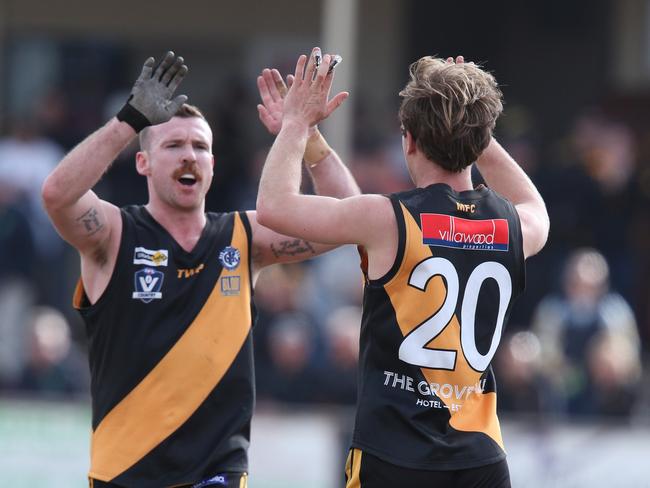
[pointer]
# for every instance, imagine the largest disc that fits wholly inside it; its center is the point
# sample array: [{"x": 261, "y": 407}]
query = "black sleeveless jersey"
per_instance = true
[
  {"x": 431, "y": 326},
  {"x": 171, "y": 355}
]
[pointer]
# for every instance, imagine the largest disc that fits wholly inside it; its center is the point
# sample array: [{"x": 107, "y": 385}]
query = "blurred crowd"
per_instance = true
[{"x": 576, "y": 342}]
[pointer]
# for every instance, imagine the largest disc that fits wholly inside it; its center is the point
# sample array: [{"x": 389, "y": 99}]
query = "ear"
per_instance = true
[
  {"x": 409, "y": 143},
  {"x": 142, "y": 163}
]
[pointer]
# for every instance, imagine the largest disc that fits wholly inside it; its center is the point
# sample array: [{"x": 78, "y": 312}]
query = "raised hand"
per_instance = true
[
  {"x": 272, "y": 90},
  {"x": 151, "y": 100},
  {"x": 307, "y": 100}
]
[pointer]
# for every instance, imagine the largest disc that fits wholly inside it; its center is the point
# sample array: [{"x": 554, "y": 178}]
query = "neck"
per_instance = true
[
  {"x": 425, "y": 173},
  {"x": 185, "y": 226}
]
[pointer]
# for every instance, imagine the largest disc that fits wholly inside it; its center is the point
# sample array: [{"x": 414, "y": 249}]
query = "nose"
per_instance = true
[{"x": 189, "y": 155}]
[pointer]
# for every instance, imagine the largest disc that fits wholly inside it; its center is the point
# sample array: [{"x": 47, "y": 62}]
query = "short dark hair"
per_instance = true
[
  {"x": 450, "y": 109},
  {"x": 185, "y": 111}
]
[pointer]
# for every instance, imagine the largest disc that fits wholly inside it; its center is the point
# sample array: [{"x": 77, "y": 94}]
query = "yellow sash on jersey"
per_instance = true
[
  {"x": 177, "y": 386},
  {"x": 412, "y": 308}
]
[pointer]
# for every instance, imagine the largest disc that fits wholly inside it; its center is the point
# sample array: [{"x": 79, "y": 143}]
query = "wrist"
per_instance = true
[
  {"x": 121, "y": 129},
  {"x": 295, "y": 126},
  {"x": 133, "y": 117},
  {"x": 317, "y": 149}
]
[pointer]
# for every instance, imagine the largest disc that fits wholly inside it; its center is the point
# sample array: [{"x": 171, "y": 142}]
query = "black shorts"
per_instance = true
[
  {"x": 363, "y": 470},
  {"x": 223, "y": 480}
]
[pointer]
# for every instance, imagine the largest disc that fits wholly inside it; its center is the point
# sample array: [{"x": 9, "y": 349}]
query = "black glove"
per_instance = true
[{"x": 150, "y": 102}]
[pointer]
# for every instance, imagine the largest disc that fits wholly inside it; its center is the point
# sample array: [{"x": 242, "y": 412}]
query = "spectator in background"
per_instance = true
[
  {"x": 278, "y": 293},
  {"x": 378, "y": 169},
  {"x": 294, "y": 373},
  {"x": 342, "y": 348},
  {"x": 16, "y": 288},
  {"x": 606, "y": 150},
  {"x": 26, "y": 158},
  {"x": 55, "y": 365},
  {"x": 521, "y": 389},
  {"x": 589, "y": 341},
  {"x": 290, "y": 376},
  {"x": 330, "y": 284}
]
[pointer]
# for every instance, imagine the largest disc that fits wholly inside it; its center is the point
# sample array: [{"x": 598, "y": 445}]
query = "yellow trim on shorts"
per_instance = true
[{"x": 353, "y": 469}]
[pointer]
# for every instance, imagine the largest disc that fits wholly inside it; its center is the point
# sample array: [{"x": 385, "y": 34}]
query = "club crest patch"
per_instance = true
[
  {"x": 229, "y": 257},
  {"x": 148, "y": 283}
]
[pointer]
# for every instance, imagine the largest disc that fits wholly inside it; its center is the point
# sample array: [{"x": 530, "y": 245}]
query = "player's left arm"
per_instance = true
[
  {"x": 270, "y": 247},
  {"x": 504, "y": 175}
]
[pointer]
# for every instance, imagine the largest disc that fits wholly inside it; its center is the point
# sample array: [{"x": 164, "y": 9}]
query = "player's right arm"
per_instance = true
[
  {"x": 81, "y": 218},
  {"x": 91, "y": 225},
  {"x": 506, "y": 177}
]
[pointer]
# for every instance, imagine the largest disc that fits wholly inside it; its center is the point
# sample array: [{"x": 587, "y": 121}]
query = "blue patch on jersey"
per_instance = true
[
  {"x": 229, "y": 257},
  {"x": 148, "y": 283}
]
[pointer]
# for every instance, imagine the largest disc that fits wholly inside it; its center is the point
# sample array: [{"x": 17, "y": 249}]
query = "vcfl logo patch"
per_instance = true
[{"x": 148, "y": 283}]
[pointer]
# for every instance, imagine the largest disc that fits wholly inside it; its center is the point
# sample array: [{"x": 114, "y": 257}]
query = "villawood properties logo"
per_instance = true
[{"x": 448, "y": 231}]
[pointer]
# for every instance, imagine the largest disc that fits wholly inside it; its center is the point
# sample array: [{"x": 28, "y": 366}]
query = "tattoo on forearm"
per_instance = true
[
  {"x": 91, "y": 221},
  {"x": 292, "y": 247}
]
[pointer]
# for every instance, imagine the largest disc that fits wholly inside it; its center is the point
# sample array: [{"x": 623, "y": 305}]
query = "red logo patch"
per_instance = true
[{"x": 448, "y": 231}]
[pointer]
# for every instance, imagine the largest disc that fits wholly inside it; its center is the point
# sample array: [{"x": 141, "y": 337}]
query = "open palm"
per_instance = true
[
  {"x": 308, "y": 98},
  {"x": 272, "y": 90}
]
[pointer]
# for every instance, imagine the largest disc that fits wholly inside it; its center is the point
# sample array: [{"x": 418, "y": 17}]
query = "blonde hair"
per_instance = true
[{"x": 450, "y": 110}]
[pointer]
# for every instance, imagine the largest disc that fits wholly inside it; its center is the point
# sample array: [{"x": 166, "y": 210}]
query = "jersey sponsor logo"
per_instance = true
[
  {"x": 230, "y": 285},
  {"x": 219, "y": 479},
  {"x": 229, "y": 257},
  {"x": 449, "y": 231},
  {"x": 148, "y": 283},
  {"x": 188, "y": 272},
  {"x": 150, "y": 257},
  {"x": 434, "y": 395}
]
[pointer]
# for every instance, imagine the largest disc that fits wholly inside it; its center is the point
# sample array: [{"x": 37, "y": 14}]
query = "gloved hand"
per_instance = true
[{"x": 150, "y": 102}]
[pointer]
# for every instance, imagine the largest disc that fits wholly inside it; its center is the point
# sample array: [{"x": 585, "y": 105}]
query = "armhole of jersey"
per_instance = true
[
  {"x": 80, "y": 300},
  {"x": 401, "y": 243},
  {"x": 249, "y": 239},
  {"x": 521, "y": 261},
  {"x": 363, "y": 255}
]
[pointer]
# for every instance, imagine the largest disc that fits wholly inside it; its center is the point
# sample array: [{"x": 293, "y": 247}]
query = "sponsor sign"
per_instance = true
[
  {"x": 449, "y": 231},
  {"x": 150, "y": 257}
]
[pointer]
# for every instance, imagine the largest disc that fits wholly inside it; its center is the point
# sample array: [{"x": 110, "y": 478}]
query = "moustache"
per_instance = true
[{"x": 188, "y": 168}]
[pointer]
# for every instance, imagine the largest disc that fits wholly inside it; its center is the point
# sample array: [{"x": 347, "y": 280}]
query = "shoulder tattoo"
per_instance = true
[{"x": 91, "y": 222}]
